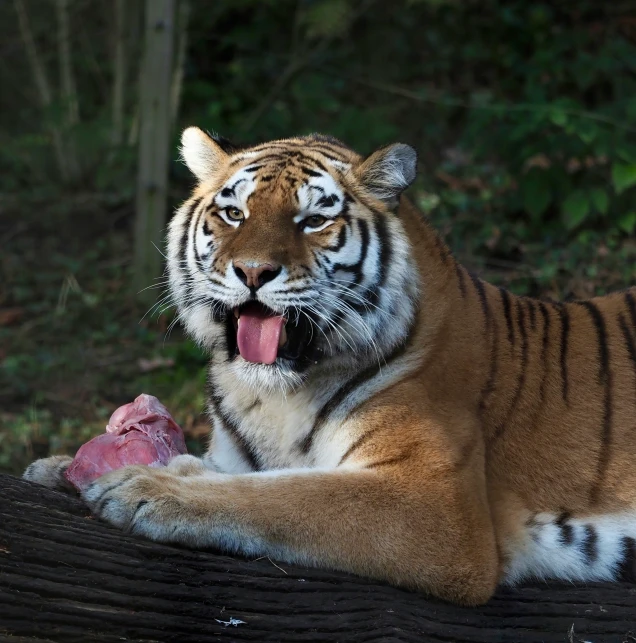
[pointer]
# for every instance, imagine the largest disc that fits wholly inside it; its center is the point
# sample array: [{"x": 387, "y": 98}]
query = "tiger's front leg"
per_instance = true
[{"x": 389, "y": 522}]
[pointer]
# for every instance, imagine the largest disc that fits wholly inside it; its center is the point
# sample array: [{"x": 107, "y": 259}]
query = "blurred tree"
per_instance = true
[
  {"x": 524, "y": 114},
  {"x": 154, "y": 142},
  {"x": 43, "y": 86}
]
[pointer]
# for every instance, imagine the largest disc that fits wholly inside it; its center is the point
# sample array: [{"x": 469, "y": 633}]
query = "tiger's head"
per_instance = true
[{"x": 289, "y": 254}]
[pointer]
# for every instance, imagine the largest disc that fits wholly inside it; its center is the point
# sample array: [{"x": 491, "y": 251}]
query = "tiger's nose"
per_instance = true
[{"x": 255, "y": 276}]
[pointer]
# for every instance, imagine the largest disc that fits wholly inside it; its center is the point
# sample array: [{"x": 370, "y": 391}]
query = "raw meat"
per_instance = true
[{"x": 142, "y": 432}]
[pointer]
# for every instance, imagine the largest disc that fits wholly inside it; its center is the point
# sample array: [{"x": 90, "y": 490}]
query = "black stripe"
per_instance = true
[
  {"x": 631, "y": 305},
  {"x": 489, "y": 388},
  {"x": 332, "y": 155},
  {"x": 206, "y": 229},
  {"x": 317, "y": 163},
  {"x": 340, "y": 241},
  {"x": 197, "y": 257},
  {"x": 521, "y": 381},
  {"x": 386, "y": 248},
  {"x": 327, "y": 139},
  {"x": 461, "y": 280},
  {"x": 357, "y": 267},
  {"x": 301, "y": 158},
  {"x": 566, "y": 535},
  {"x": 346, "y": 389},
  {"x": 629, "y": 340},
  {"x": 357, "y": 443},
  {"x": 328, "y": 201},
  {"x": 183, "y": 244},
  {"x": 544, "y": 347},
  {"x": 481, "y": 293},
  {"x": 605, "y": 380},
  {"x": 601, "y": 331},
  {"x": 301, "y": 154},
  {"x": 444, "y": 252},
  {"x": 371, "y": 295},
  {"x": 589, "y": 544},
  {"x": 244, "y": 447},
  {"x": 231, "y": 191},
  {"x": 565, "y": 330},
  {"x": 272, "y": 158},
  {"x": 505, "y": 299},
  {"x": 533, "y": 313},
  {"x": 389, "y": 461},
  {"x": 493, "y": 336},
  {"x": 627, "y": 568}
]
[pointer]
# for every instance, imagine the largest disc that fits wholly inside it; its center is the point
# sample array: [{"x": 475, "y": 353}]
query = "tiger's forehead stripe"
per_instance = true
[{"x": 285, "y": 151}]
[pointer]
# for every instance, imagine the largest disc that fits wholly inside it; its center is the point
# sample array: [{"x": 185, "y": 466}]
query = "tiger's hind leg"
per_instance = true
[{"x": 561, "y": 547}]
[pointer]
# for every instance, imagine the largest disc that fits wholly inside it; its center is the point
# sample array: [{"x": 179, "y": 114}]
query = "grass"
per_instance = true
[{"x": 72, "y": 346}]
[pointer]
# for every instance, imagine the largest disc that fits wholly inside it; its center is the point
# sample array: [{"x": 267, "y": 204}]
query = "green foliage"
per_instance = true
[{"x": 523, "y": 114}]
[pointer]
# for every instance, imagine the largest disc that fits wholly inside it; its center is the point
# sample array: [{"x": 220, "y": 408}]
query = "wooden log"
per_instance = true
[{"x": 65, "y": 576}]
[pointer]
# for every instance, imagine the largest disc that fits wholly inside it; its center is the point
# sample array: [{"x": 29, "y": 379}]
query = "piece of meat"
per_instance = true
[{"x": 142, "y": 432}]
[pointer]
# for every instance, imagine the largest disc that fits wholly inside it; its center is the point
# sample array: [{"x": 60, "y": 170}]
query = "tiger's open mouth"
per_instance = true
[{"x": 260, "y": 335}]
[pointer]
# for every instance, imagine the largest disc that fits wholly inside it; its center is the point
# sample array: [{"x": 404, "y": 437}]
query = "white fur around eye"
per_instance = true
[
  {"x": 234, "y": 224},
  {"x": 308, "y": 230}
]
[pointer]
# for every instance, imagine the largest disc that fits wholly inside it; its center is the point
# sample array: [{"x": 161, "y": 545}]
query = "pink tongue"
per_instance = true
[{"x": 258, "y": 334}]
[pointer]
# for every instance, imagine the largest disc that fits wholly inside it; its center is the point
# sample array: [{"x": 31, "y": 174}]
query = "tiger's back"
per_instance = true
[{"x": 553, "y": 385}]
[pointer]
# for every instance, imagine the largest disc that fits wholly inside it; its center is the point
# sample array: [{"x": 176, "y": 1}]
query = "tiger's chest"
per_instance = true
[{"x": 271, "y": 428}]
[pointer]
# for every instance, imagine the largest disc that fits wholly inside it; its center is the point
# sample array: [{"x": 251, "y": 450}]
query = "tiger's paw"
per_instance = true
[
  {"x": 49, "y": 472},
  {"x": 144, "y": 501}
]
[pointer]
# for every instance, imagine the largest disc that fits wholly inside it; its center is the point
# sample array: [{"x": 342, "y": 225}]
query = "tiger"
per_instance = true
[{"x": 375, "y": 407}]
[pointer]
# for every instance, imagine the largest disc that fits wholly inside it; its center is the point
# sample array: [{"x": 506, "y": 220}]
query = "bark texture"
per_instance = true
[{"x": 65, "y": 576}]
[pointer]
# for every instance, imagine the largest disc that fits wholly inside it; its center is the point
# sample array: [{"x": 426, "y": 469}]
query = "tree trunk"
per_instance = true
[
  {"x": 45, "y": 95},
  {"x": 119, "y": 73},
  {"x": 67, "y": 85},
  {"x": 180, "y": 59},
  {"x": 65, "y": 576},
  {"x": 154, "y": 143}
]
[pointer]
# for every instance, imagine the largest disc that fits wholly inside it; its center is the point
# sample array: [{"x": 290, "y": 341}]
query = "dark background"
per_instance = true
[{"x": 523, "y": 114}]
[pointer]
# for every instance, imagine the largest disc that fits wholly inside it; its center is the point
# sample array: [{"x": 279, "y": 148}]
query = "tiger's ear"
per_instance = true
[
  {"x": 388, "y": 172},
  {"x": 202, "y": 154}
]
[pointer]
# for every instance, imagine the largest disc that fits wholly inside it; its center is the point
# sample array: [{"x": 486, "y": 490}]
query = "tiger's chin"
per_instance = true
[
  {"x": 282, "y": 376},
  {"x": 268, "y": 350}
]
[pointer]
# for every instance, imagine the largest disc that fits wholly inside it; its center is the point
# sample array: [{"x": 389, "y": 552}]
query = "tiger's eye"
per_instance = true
[
  {"x": 315, "y": 221},
  {"x": 234, "y": 214}
]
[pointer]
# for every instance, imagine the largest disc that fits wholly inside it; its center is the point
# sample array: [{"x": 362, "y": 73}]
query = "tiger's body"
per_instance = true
[{"x": 416, "y": 424}]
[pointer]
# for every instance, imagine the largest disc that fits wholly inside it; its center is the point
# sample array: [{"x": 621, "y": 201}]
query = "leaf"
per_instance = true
[
  {"x": 328, "y": 18},
  {"x": 627, "y": 153},
  {"x": 586, "y": 131},
  {"x": 623, "y": 176},
  {"x": 559, "y": 117},
  {"x": 576, "y": 207},
  {"x": 627, "y": 223},
  {"x": 600, "y": 199},
  {"x": 536, "y": 192}
]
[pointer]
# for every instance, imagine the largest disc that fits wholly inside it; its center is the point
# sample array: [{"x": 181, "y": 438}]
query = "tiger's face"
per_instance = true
[{"x": 288, "y": 254}]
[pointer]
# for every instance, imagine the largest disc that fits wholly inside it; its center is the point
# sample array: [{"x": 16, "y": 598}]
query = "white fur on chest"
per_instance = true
[{"x": 275, "y": 424}]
